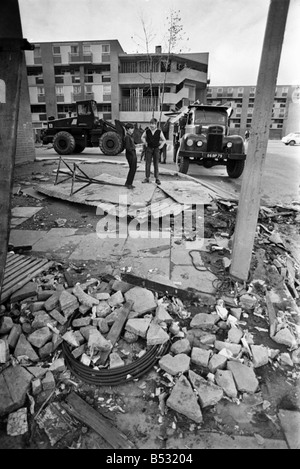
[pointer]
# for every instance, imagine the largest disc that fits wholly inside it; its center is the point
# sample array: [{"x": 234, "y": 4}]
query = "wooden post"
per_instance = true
[
  {"x": 249, "y": 201},
  {"x": 11, "y": 53}
]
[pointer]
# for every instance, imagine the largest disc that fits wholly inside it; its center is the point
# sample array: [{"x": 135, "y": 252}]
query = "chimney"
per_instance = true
[{"x": 157, "y": 49}]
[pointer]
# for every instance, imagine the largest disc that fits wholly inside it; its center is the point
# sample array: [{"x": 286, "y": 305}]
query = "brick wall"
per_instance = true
[{"x": 25, "y": 150}]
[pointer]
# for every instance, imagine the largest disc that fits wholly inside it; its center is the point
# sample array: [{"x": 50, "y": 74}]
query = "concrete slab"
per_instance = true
[
  {"x": 189, "y": 277},
  {"x": 188, "y": 192},
  {"x": 59, "y": 241},
  {"x": 19, "y": 237},
  {"x": 17, "y": 221},
  {"x": 25, "y": 212},
  {"x": 94, "y": 248},
  {"x": 148, "y": 244},
  {"x": 290, "y": 423},
  {"x": 205, "y": 440}
]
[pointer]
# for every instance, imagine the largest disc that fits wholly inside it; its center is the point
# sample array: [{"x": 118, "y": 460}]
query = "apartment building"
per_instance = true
[
  {"x": 61, "y": 73},
  {"x": 285, "y": 112}
]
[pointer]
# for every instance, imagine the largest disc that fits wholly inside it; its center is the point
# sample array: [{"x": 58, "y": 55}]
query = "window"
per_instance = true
[
  {"x": 220, "y": 90},
  {"x": 37, "y": 51},
  {"x": 56, "y": 50},
  {"x": 88, "y": 89},
  {"x": 86, "y": 50},
  {"x": 252, "y": 90},
  {"x": 75, "y": 79},
  {"x": 59, "y": 90},
  {"x": 105, "y": 79},
  {"x": 229, "y": 90},
  {"x": 105, "y": 48},
  {"x": 76, "y": 89},
  {"x": 41, "y": 90},
  {"x": 240, "y": 91},
  {"x": 74, "y": 50},
  {"x": 106, "y": 89}
]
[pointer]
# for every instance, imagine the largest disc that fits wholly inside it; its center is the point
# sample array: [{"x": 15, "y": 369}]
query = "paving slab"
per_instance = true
[
  {"x": 290, "y": 423},
  {"x": 17, "y": 221},
  {"x": 21, "y": 237},
  {"x": 59, "y": 240},
  {"x": 91, "y": 247},
  {"x": 148, "y": 244},
  {"x": 25, "y": 212},
  {"x": 189, "y": 277},
  {"x": 205, "y": 440},
  {"x": 156, "y": 269}
]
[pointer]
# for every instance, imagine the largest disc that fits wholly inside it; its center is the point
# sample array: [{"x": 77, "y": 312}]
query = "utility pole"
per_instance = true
[
  {"x": 249, "y": 201},
  {"x": 12, "y": 46}
]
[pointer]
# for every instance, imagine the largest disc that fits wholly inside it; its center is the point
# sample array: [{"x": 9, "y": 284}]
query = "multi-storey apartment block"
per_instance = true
[
  {"x": 285, "y": 113},
  {"x": 61, "y": 73}
]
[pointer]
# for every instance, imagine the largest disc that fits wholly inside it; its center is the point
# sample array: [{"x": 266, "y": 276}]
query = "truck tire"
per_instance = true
[
  {"x": 111, "y": 143},
  {"x": 63, "y": 143},
  {"x": 235, "y": 168},
  {"x": 78, "y": 148},
  {"x": 183, "y": 164}
]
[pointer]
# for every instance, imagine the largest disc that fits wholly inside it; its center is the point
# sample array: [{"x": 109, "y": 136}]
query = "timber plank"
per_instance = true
[
  {"x": 5, "y": 295},
  {"x": 13, "y": 260},
  {"x": 89, "y": 416},
  {"x": 19, "y": 275},
  {"x": 16, "y": 267},
  {"x": 116, "y": 329}
]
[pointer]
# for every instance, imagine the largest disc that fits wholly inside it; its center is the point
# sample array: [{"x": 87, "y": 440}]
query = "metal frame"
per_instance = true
[{"x": 79, "y": 177}]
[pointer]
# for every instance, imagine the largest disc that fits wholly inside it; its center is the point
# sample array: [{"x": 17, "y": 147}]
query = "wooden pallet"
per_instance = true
[{"x": 19, "y": 270}]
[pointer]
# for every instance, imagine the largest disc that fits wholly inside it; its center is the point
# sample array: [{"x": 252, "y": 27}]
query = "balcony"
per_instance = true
[
  {"x": 80, "y": 58},
  {"x": 41, "y": 98},
  {"x": 57, "y": 59},
  {"x": 139, "y": 104},
  {"x": 60, "y": 98}
]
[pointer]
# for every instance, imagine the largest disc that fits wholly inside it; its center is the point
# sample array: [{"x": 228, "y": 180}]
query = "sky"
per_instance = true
[{"x": 231, "y": 31}]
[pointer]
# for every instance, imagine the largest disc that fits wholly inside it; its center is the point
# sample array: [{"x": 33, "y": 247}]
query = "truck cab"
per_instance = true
[{"x": 204, "y": 139}]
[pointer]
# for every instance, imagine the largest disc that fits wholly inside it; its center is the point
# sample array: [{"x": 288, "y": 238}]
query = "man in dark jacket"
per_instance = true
[
  {"x": 130, "y": 153},
  {"x": 153, "y": 139}
]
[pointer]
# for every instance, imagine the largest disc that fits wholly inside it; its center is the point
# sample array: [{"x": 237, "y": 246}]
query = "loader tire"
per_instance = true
[
  {"x": 63, "y": 143},
  {"x": 111, "y": 143}
]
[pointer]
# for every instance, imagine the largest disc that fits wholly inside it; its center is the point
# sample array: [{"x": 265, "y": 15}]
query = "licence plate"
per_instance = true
[{"x": 213, "y": 155}]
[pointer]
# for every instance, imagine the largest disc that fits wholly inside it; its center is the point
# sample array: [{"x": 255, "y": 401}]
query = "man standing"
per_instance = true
[
  {"x": 154, "y": 140},
  {"x": 130, "y": 153}
]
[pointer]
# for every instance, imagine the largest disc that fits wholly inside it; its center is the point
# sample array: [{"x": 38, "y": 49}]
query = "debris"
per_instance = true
[{"x": 17, "y": 422}]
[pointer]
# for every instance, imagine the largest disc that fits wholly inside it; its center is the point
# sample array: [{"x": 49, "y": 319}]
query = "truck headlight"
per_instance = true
[
  {"x": 229, "y": 145},
  {"x": 199, "y": 143},
  {"x": 189, "y": 142}
]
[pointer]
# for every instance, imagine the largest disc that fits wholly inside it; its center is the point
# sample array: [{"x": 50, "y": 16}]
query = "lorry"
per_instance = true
[
  {"x": 85, "y": 129},
  {"x": 202, "y": 137}
]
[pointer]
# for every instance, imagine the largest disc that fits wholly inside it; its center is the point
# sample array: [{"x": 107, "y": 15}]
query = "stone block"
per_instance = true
[
  {"x": 204, "y": 321},
  {"x": 184, "y": 401},
  {"x": 43, "y": 295},
  {"x": 68, "y": 303},
  {"x": 200, "y": 357},
  {"x": 40, "y": 337},
  {"x": 46, "y": 350},
  {"x": 285, "y": 337},
  {"x": 244, "y": 377},
  {"x": 14, "y": 385},
  {"x": 102, "y": 296},
  {"x": 224, "y": 379},
  {"x": 6, "y": 324},
  {"x": 115, "y": 361},
  {"x": 71, "y": 339},
  {"x": 85, "y": 359},
  {"x": 235, "y": 335},
  {"x": 48, "y": 382},
  {"x": 143, "y": 300},
  {"x": 233, "y": 348},
  {"x": 14, "y": 335},
  {"x": 209, "y": 394},
  {"x": 102, "y": 309},
  {"x": 162, "y": 315},
  {"x": 36, "y": 306},
  {"x": 53, "y": 301},
  {"x": 24, "y": 348},
  {"x": 4, "y": 351},
  {"x": 98, "y": 342},
  {"x": 119, "y": 285},
  {"x": 236, "y": 312},
  {"x": 217, "y": 362},
  {"x": 81, "y": 322},
  {"x": 156, "y": 335},
  {"x": 85, "y": 331},
  {"x": 77, "y": 352},
  {"x": 181, "y": 346},
  {"x": 55, "y": 314},
  {"x": 41, "y": 320},
  {"x": 174, "y": 365},
  {"x": 17, "y": 422},
  {"x": 138, "y": 326},
  {"x": 260, "y": 355},
  {"x": 116, "y": 299}
]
